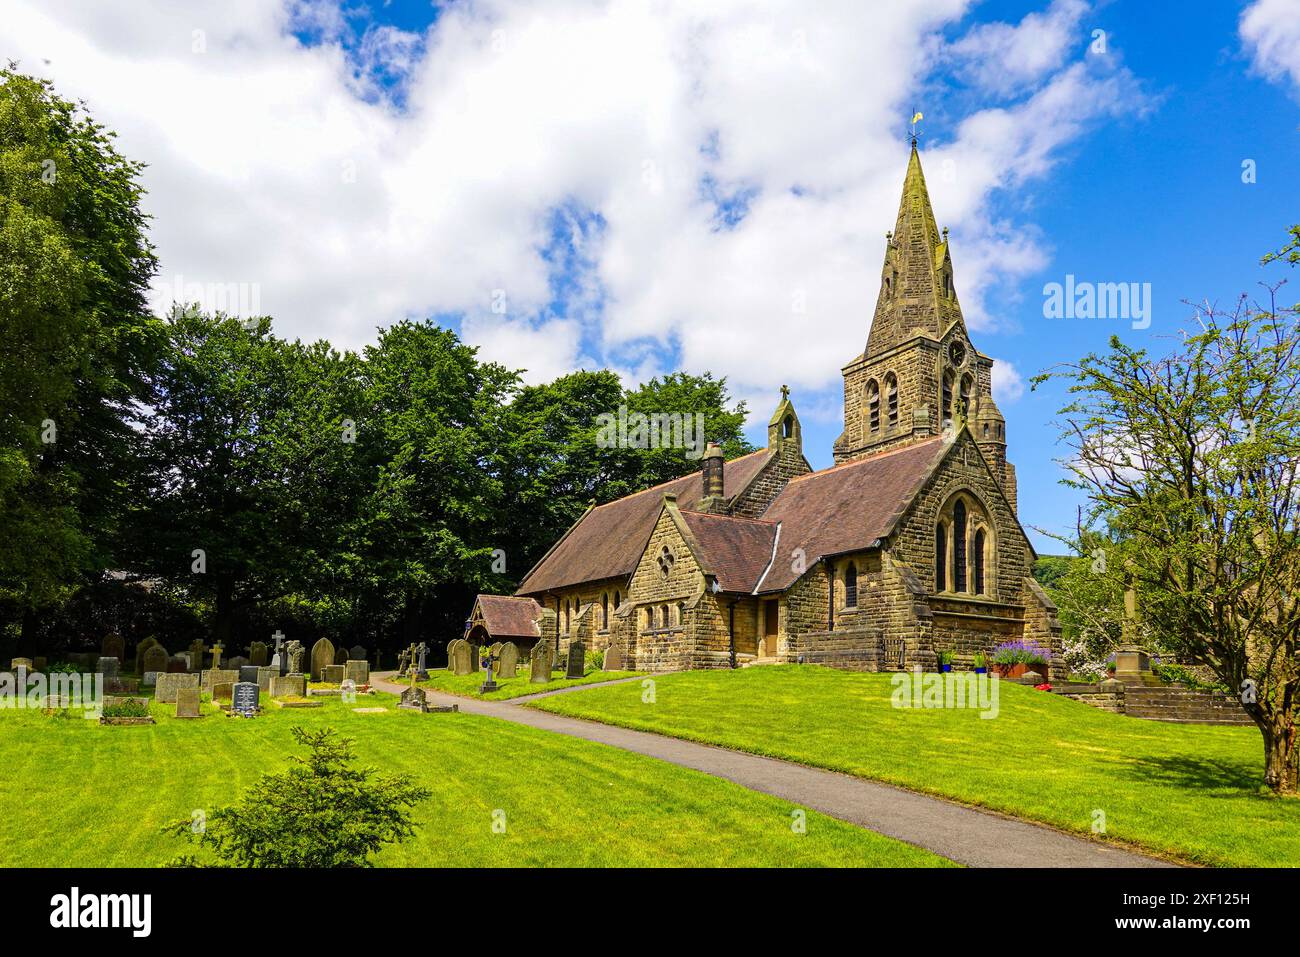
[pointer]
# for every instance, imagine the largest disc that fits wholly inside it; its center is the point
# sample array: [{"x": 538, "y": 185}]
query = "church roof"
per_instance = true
[
  {"x": 735, "y": 550},
  {"x": 607, "y": 541},
  {"x": 506, "y": 616},
  {"x": 846, "y": 507}
]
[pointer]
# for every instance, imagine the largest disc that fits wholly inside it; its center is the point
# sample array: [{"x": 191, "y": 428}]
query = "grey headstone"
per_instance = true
[
  {"x": 333, "y": 674},
  {"x": 264, "y": 675},
  {"x": 257, "y": 653},
  {"x": 542, "y": 662},
  {"x": 358, "y": 670},
  {"x": 248, "y": 673},
  {"x": 151, "y": 677},
  {"x": 187, "y": 702},
  {"x": 289, "y": 686},
  {"x": 112, "y": 646},
  {"x": 507, "y": 660},
  {"x": 154, "y": 659},
  {"x": 172, "y": 683},
  {"x": 244, "y": 697},
  {"x": 577, "y": 666},
  {"x": 322, "y": 654},
  {"x": 221, "y": 676},
  {"x": 108, "y": 666},
  {"x": 357, "y": 653}
]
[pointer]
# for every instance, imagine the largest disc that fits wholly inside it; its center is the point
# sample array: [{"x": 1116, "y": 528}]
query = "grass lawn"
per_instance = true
[
  {"x": 80, "y": 794},
  {"x": 1185, "y": 790},
  {"x": 516, "y": 687}
]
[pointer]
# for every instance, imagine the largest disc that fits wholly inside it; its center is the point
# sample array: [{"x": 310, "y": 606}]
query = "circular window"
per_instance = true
[{"x": 957, "y": 353}]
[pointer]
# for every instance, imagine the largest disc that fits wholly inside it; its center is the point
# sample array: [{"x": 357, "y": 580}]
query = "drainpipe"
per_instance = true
[
  {"x": 830, "y": 596},
  {"x": 731, "y": 631}
]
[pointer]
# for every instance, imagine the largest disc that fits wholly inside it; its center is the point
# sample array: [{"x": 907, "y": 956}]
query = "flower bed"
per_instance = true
[{"x": 1015, "y": 658}]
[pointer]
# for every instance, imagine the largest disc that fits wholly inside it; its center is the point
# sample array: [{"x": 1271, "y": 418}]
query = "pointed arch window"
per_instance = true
[
  {"x": 959, "y": 546},
  {"x": 618, "y": 600},
  {"x": 977, "y": 560},
  {"x": 948, "y": 383},
  {"x": 940, "y": 558},
  {"x": 891, "y": 398},
  {"x": 873, "y": 405},
  {"x": 967, "y": 386},
  {"x": 851, "y": 585}
]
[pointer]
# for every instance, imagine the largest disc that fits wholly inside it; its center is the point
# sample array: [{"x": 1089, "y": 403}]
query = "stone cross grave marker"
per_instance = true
[{"x": 217, "y": 649}]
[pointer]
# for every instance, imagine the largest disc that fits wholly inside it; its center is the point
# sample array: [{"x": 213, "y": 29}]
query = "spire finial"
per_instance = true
[
  {"x": 916, "y": 118},
  {"x": 785, "y": 393}
]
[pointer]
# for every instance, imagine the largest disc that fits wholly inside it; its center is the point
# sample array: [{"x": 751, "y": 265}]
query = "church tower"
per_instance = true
[{"x": 919, "y": 374}]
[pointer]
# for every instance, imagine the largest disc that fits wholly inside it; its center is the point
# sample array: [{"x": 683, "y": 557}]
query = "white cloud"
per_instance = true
[
  {"x": 1270, "y": 30},
  {"x": 1008, "y": 386},
  {"x": 1004, "y": 59},
  {"x": 279, "y": 163}
]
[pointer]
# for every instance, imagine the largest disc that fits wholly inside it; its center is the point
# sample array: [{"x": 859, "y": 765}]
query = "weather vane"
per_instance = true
[{"x": 916, "y": 118}]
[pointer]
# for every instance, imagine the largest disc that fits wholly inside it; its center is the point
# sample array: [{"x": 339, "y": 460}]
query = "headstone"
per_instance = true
[
  {"x": 294, "y": 653},
  {"x": 150, "y": 677},
  {"x": 187, "y": 702},
  {"x": 112, "y": 646},
  {"x": 542, "y": 663},
  {"x": 286, "y": 686},
  {"x": 357, "y": 653},
  {"x": 248, "y": 673},
  {"x": 614, "y": 657},
  {"x": 322, "y": 654},
  {"x": 494, "y": 650},
  {"x": 463, "y": 662},
  {"x": 264, "y": 675},
  {"x": 357, "y": 670},
  {"x": 222, "y": 690},
  {"x": 508, "y": 660},
  {"x": 488, "y": 683},
  {"x": 414, "y": 699},
  {"x": 421, "y": 653},
  {"x": 143, "y": 649},
  {"x": 340, "y": 655},
  {"x": 218, "y": 650},
  {"x": 235, "y": 663},
  {"x": 197, "y": 652},
  {"x": 17, "y": 663},
  {"x": 178, "y": 664},
  {"x": 108, "y": 666},
  {"x": 451, "y": 653},
  {"x": 155, "y": 658},
  {"x": 172, "y": 683},
  {"x": 279, "y": 658},
  {"x": 333, "y": 674},
  {"x": 403, "y": 662},
  {"x": 257, "y": 654},
  {"x": 115, "y": 684},
  {"x": 244, "y": 697},
  {"x": 577, "y": 666},
  {"x": 214, "y": 677}
]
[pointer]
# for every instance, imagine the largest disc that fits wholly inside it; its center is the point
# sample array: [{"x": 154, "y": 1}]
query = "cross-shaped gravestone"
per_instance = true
[
  {"x": 216, "y": 655},
  {"x": 411, "y": 651},
  {"x": 422, "y": 649},
  {"x": 279, "y": 640}
]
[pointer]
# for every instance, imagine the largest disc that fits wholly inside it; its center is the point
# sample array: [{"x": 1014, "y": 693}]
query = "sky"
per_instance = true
[{"x": 654, "y": 186}]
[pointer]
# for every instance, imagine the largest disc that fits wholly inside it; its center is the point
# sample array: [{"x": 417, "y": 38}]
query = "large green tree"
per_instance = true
[
  {"x": 1193, "y": 458},
  {"x": 76, "y": 342}
]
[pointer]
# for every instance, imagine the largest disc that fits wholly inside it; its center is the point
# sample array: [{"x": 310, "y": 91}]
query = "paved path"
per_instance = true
[{"x": 966, "y": 835}]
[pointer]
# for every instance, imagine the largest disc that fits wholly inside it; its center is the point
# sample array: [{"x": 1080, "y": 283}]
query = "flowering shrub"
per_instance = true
[{"x": 1020, "y": 653}]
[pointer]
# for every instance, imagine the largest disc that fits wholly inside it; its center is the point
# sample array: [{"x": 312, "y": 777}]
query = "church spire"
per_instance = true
[{"x": 917, "y": 296}]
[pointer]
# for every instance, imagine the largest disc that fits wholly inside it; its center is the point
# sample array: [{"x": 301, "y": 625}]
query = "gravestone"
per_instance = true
[
  {"x": 112, "y": 646},
  {"x": 243, "y": 699},
  {"x": 235, "y": 663},
  {"x": 451, "y": 653},
  {"x": 214, "y": 677},
  {"x": 108, "y": 666},
  {"x": 322, "y": 654},
  {"x": 357, "y": 670},
  {"x": 222, "y": 690},
  {"x": 463, "y": 659},
  {"x": 294, "y": 653},
  {"x": 197, "y": 652},
  {"x": 341, "y": 656},
  {"x": 421, "y": 654},
  {"x": 150, "y": 678},
  {"x": 356, "y": 653},
  {"x": 155, "y": 659},
  {"x": 577, "y": 666},
  {"x": 115, "y": 684},
  {"x": 172, "y": 683},
  {"x": 141, "y": 650},
  {"x": 178, "y": 664},
  {"x": 614, "y": 657},
  {"x": 264, "y": 675},
  {"x": 248, "y": 673},
  {"x": 257, "y": 654},
  {"x": 279, "y": 658},
  {"x": 17, "y": 663},
  {"x": 333, "y": 674},
  {"x": 542, "y": 663},
  {"x": 217, "y": 650},
  {"x": 508, "y": 660},
  {"x": 187, "y": 702},
  {"x": 285, "y": 686},
  {"x": 494, "y": 650},
  {"x": 488, "y": 683}
]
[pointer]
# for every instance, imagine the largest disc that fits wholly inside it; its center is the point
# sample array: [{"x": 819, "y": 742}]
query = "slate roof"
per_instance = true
[
  {"x": 506, "y": 616},
  {"x": 847, "y": 507},
  {"x": 735, "y": 550},
  {"x": 607, "y": 541}
]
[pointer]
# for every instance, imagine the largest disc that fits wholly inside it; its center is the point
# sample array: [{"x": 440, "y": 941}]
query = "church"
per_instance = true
[{"x": 907, "y": 547}]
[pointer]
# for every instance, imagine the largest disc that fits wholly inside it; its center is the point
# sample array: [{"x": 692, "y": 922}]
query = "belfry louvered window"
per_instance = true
[{"x": 891, "y": 397}]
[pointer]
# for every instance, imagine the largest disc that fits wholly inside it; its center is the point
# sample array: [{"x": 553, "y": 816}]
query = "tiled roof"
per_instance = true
[
  {"x": 607, "y": 541},
  {"x": 506, "y": 616},
  {"x": 735, "y": 550},
  {"x": 846, "y": 507}
]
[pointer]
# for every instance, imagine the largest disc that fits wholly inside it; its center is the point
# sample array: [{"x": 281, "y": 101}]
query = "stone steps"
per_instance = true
[{"x": 1183, "y": 706}]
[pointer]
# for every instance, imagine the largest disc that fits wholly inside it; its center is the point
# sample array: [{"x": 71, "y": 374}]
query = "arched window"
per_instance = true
[
  {"x": 967, "y": 384},
  {"x": 787, "y": 427},
  {"x": 666, "y": 619},
  {"x": 959, "y": 546},
  {"x": 618, "y": 600},
  {"x": 873, "y": 405},
  {"x": 947, "y": 394},
  {"x": 891, "y": 398},
  {"x": 977, "y": 559},
  {"x": 851, "y": 585},
  {"x": 649, "y": 617},
  {"x": 681, "y": 613},
  {"x": 940, "y": 558}
]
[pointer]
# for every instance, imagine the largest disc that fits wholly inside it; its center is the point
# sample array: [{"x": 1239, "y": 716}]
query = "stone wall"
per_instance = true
[{"x": 753, "y": 501}]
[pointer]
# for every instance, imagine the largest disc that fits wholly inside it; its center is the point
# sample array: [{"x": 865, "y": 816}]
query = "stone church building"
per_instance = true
[{"x": 907, "y": 546}]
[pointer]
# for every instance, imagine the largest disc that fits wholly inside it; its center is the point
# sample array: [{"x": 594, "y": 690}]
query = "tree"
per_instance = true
[
  {"x": 318, "y": 813},
  {"x": 76, "y": 341},
  {"x": 1193, "y": 459},
  {"x": 250, "y": 456}
]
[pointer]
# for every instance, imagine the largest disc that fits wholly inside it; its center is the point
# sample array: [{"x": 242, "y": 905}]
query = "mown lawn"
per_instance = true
[
  {"x": 79, "y": 794},
  {"x": 516, "y": 687},
  {"x": 1184, "y": 790}
]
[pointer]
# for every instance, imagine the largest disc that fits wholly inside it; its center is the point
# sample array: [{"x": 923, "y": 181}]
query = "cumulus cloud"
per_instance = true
[
  {"x": 1004, "y": 58},
  {"x": 1270, "y": 30},
  {"x": 630, "y": 184}
]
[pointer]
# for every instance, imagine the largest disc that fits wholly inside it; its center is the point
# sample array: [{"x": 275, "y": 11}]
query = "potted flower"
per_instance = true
[
  {"x": 1012, "y": 659},
  {"x": 980, "y": 663},
  {"x": 945, "y": 661}
]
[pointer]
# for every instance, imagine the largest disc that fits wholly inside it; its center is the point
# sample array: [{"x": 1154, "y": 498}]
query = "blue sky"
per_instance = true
[{"x": 654, "y": 186}]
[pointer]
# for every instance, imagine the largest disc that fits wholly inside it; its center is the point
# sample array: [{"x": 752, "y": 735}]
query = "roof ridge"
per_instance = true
[
  {"x": 730, "y": 518},
  {"x": 679, "y": 478},
  {"x": 868, "y": 458}
]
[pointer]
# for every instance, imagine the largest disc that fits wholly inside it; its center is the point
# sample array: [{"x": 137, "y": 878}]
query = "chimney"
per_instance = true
[{"x": 713, "y": 479}]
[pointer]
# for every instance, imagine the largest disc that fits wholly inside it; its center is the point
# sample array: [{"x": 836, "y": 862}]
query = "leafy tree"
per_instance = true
[
  {"x": 76, "y": 341},
  {"x": 1193, "y": 459},
  {"x": 319, "y": 813}
]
